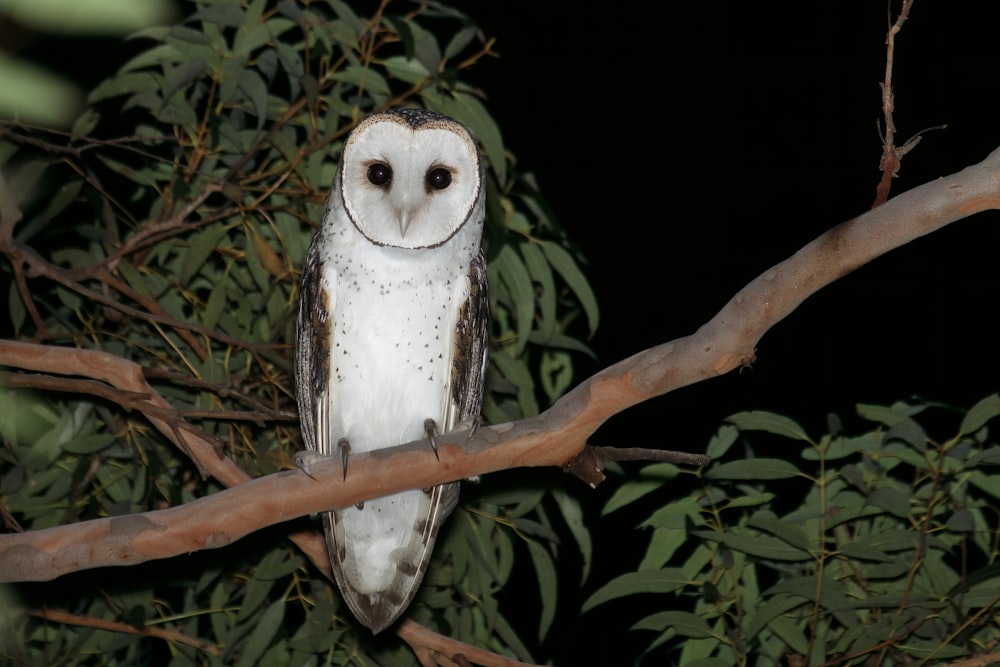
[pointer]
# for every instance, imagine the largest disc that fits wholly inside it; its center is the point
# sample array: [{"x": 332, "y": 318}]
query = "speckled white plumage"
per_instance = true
[{"x": 392, "y": 332}]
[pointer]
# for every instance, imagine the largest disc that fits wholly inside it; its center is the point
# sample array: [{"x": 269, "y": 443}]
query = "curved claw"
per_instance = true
[
  {"x": 345, "y": 449},
  {"x": 430, "y": 427},
  {"x": 477, "y": 421}
]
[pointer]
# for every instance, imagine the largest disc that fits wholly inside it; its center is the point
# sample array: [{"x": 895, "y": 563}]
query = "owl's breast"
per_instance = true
[{"x": 393, "y": 345}]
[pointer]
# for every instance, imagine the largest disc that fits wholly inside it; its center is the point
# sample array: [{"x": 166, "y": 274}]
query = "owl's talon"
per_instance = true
[
  {"x": 345, "y": 449},
  {"x": 477, "y": 421},
  {"x": 305, "y": 460},
  {"x": 430, "y": 428}
]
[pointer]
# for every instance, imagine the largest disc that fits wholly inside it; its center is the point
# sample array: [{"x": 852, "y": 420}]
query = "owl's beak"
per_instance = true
[{"x": 405, "y": 218}]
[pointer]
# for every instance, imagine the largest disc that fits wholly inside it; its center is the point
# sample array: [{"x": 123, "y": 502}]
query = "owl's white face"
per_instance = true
[{"x": 409, "y": 181}]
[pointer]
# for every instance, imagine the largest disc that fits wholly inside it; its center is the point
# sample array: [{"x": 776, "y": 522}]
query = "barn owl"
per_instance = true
[{"x": 392, "y": 336}]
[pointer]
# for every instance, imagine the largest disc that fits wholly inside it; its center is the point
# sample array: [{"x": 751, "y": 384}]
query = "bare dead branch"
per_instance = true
[{"x": 890, "y": 162}]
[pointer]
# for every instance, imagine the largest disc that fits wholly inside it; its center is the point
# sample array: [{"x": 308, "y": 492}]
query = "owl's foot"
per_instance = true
[
  {"x": 305, "y": 460},
  {"x": 431, "y": 429},
  {"x": 470, "y": 424}
]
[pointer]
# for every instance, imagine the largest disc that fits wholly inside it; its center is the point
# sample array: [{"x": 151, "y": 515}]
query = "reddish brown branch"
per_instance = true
[
  {"x": 125, "y": 376},
  {"x": 550, "y": 439},
  {"x": 890, "y": 162}
]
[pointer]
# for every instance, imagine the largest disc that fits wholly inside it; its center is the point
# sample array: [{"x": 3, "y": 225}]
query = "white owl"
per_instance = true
[{"x": 392, "y": 333}]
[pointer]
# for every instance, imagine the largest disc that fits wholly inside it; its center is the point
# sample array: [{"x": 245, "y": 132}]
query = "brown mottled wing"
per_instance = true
[
  {"x": 312, "y": 353},
  {"x": 471, "y": 351}
]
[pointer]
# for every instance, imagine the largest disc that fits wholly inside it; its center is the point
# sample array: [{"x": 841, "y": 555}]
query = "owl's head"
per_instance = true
[{"x": 410, "y": 178}]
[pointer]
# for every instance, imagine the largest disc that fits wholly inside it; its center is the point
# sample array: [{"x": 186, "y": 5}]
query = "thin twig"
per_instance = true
[
  {"x": 57, "y": 616},
  {"x": 890, "y": 162}
]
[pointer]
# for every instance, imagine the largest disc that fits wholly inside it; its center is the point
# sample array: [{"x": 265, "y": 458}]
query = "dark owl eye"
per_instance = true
[
  {"x": 439, "y": 179},
  {"x": 379, "y": 174}
]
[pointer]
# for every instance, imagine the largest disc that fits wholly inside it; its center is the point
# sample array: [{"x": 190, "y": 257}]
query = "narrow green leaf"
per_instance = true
[
  {"x": 189, "y": 72},
  {"x": 784, "y": 530},
  {"x": 674, "y": 515},
  {"x": 890, "y": 416},
  {"x": 347, "y": 15},
  {"x": 909, "y": 432},
  {"x": 514, "y": 275},
  {"x": 214, "y": 306},
  {"x": 753, "y": 469},
  {"x": 770, "y": 610},
  {"x": 979, "y": 414},
  {"x": 89, "y": 444},
  {"x": 789, "y": 631},
  {"x": 459, "y": 41},
  {"x": 862, "y": 552},
  {"x": 684, "y": 623},
  {"x": 254, "y": 593},
  {"x": 572, "y": 514},
  {"x": 722, "y": 441},
  {"x": 291, "y": 60},
  {"x": 626, "y": 494},
  {"x": 545, "y": 571},
  {"x": 16, "y": 308},
  {"x": 566, "y": 267},
  {"x": 264, "y": 631},
  {"x": 894, "y": 501},
  {"x": 541, "y": 274},
  {"x": 555, "y": 372},
  {"x": 663, "y": 544},
  {"x": 226, "y": 14},
  {"x": 751, "y": 501},
  {"x": 253, "y": 86},
  {"x": 763, "y": 546},
  {"x": 203, "y": 244},
  {"x": 666, "y": 580},
  {"x": 518, "y": 374},
  {"x": 931, "y": 648},
  {"x": 759, "y": 420}
]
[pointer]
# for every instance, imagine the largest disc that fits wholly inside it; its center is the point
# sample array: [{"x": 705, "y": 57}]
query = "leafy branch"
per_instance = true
[{"x": 553, "y": 438}]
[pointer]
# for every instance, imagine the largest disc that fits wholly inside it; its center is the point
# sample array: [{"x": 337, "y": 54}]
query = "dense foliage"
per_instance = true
[
  {"x": 167, "y": 228},
  {"x": 876, "y": 548}
]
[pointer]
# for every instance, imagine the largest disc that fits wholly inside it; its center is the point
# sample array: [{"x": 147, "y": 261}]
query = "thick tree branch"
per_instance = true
[
  {"x": 123, "y": 379},
  {"x": 551, "y": 439}
]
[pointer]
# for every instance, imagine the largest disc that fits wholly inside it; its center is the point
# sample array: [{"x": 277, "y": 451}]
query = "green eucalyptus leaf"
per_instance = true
[
  {"x": 979, "y": 414},
  {"x": 253, "y": 86},
  {"x": 763, "y": 546},
  {"x": 758, "y": 420},
  {"x": 666, "y": 580},
  {"x": 545, "y": 571},
  {"x": 572, "y": 514},
  {"x": 264, "y": 630},
  {"x": 566, "y": 267},
  {"x": 753, "y": 469},
  {"x": 683, "y": 623},
  {"x": 516, "y": 279}
]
